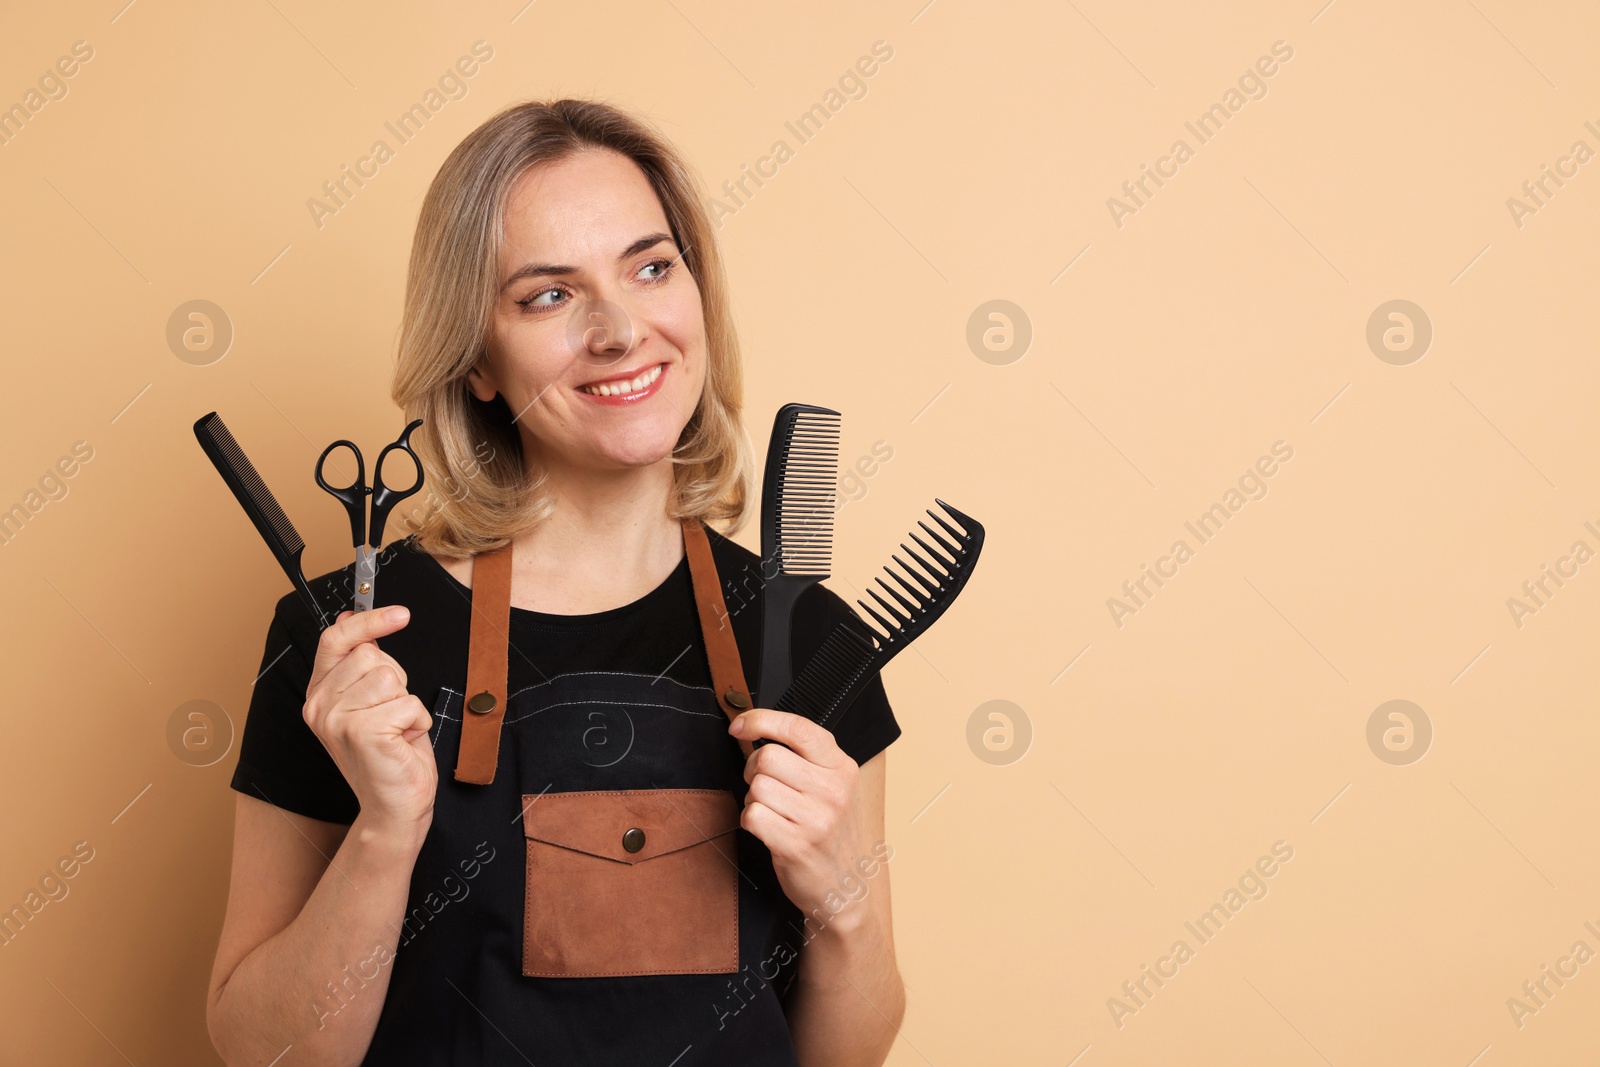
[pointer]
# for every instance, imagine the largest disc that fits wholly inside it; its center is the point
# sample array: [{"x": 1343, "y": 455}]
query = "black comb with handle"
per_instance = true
[
  {"x": 797, "y": 506},
  {"x": 855, "y": 651},
  {"x": 258, "y": 503}
]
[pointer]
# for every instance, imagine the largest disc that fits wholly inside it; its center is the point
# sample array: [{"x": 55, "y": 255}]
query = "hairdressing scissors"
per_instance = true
[{"x": 384, "y": 498}]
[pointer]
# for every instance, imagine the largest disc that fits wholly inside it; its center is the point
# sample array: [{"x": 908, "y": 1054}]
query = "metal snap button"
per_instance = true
[
  {"x": 482, "y": 703},
  {"x": 736, "y": 698},
  {"x": 633, "y": 840}
]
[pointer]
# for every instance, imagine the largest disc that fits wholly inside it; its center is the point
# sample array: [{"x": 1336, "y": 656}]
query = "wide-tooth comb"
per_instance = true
[
  {"x": 798, "y": 489},
  {"x": 258, "y": 503},
  {"x": 855, "y": 651}
]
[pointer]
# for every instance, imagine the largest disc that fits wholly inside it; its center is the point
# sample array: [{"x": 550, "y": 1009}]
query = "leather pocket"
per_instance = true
[{"x": 630, "y": 882}]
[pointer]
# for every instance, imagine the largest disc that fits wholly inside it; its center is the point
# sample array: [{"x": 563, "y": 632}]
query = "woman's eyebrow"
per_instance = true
[{"x": 539, "y": 270}]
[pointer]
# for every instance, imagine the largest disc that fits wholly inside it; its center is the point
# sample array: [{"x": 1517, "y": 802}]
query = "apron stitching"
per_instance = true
[
  {"x": 616, "y": 703},
  {"x": 442, "y": 716},
  {"x": 442, "y": 720},
  {"x": 612, "y": 674}
]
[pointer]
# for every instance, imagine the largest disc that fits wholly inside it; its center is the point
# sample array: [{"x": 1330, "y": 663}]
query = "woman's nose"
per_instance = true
[{"x": 601, "y": 331}]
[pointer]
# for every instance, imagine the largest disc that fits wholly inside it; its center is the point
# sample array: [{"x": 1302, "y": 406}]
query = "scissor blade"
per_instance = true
[{"x": 366, "y": 576}]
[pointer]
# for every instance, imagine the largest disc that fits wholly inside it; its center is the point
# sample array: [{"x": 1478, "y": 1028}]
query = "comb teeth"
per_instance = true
[
  {"x": 216, "y": 431},
  {"x": 806, "y": 488},
  {"x": 844, "y": 657},
  {"x": 854, "y": 652},
  {"x": 947, "y": 561}
]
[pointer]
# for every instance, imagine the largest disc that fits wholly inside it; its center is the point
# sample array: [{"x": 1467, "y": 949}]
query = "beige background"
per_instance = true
[{"x": 1228, "y": 313}]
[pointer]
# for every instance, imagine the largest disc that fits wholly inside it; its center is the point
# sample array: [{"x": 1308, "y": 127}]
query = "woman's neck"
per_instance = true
[{"x": 608, "y": 542}]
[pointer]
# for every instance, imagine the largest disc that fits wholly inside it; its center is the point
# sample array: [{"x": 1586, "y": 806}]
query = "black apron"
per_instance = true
[{"x": 457, "y": 994}]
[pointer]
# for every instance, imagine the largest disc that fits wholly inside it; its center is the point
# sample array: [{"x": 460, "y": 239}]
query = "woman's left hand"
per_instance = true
[{"x": 804, "y": 804}]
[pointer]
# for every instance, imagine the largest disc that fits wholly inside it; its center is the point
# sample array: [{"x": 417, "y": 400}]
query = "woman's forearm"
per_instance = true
[
  {"x": 316, "y": 987},
  {"x": 848, "y": 1000}
]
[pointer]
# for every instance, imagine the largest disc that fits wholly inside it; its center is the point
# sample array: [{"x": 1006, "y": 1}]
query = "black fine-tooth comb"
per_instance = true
[
  {"x": 797, "y": 506},
  {"x": 855, "y": 652},
  {"x": 258, "y": 503}
]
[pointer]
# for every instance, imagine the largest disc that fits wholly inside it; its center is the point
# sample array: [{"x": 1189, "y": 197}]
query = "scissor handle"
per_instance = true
[
  {"x": 353, "y": 496},
  {"x": 385, "y": 497}
]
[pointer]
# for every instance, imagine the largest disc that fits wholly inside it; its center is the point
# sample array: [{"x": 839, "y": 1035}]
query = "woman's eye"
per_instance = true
[
  {"x": 537, "y": 299},
  {"x": 664, "y": 267}
]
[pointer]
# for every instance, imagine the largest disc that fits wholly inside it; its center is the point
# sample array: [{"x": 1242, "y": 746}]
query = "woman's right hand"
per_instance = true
[{"x": 375, "y": 730}]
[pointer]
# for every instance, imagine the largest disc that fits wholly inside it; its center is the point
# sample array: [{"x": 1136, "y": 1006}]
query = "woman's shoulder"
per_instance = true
[
  {"x": 723, "y": 545},
  {"x": 407, "y": 574},
  {"x": 870, "y": 725},
  {"x": 737, "y": 566},
  {"x": 744, "y": 574}
]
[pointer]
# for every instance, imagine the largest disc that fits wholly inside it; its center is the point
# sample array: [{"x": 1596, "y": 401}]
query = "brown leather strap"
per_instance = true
[
  {"x": 489, "y": 643},
  {"x": 488, "y": 648},
  {"x": 722, "y": 651}
]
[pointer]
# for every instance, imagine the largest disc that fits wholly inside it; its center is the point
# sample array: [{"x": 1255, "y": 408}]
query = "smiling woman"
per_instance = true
[
  {"x": 538, "y": 181},
  {"x": 550, "y": 671}
]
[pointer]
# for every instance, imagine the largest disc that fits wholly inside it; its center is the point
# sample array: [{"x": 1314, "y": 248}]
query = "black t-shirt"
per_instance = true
[{"x": 464, "y": 929}]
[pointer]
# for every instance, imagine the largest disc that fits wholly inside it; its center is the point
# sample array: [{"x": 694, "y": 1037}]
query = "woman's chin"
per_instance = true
[{"x": 625, "y": 455}]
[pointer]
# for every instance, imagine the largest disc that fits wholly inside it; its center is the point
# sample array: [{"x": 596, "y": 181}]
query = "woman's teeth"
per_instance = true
[{"x": 643, "y": 381}]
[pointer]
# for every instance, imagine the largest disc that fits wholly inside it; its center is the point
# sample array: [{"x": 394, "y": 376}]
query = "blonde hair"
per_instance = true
[{"x": 480, "y": 488}]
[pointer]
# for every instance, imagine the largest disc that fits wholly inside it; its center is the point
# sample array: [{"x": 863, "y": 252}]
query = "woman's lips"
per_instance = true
[{"x": 631, "y": 398}]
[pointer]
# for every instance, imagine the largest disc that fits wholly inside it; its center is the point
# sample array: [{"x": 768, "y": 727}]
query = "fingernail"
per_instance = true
[
  {"x": 398, "y": 614},
  {"x": 737, "y": 727}
]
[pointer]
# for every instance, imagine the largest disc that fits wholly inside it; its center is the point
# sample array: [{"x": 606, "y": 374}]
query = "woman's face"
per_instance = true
[{"x": 593, "y": 289}]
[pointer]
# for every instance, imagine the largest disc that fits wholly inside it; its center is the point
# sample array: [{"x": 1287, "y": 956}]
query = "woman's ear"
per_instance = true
[{"x": 479, "y": 383}]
